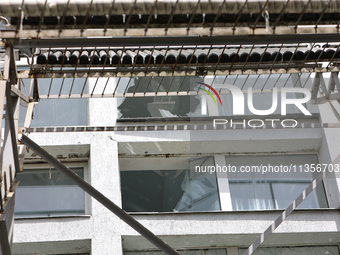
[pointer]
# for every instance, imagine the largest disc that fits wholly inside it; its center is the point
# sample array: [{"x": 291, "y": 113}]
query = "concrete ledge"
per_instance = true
[
  {"x": 221, "y": 229},
  {"x": 74, "y": 246}
]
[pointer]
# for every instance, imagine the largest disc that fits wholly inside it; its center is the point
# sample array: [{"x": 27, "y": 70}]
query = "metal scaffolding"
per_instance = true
[{"x": 12, "y": 155}]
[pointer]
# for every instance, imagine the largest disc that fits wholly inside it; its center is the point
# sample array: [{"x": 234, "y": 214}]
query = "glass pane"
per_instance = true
[
  {"x": 166, "y": 191},
  {"x": 151, "y": 191},
  {"x": 199, "y": 194},
  {"x": 193, "y": 105},
  {"x": 285, "y": 193},
  {"x": 60, "y": 112},
  {"x": 247, "y": 196},
  {"x": 169, "y": 190},
  {"x": 42, "y": 193},
  {"x": 160, "y": 106},
  {"x": 261, "y": 101},
  {"x": 61, "y": 86},
  {"x": 257, "y": 190}
]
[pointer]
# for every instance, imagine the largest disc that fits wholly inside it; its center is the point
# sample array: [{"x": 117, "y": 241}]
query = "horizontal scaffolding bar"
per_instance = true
[
  {"x": 101, "y": 7},
  {"x": 172, "y": 40},
  {"x": 168, "y": 128},
  {"x": 172, "y": 127},
  {"x": 192, "y": 73},
  {"x": 185, "y": 60}
]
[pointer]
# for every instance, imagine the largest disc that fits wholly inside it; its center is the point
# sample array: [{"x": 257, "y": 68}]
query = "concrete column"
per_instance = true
[
  {"x": 106, "y": 230},
  {"x": 102, "y": 111}
]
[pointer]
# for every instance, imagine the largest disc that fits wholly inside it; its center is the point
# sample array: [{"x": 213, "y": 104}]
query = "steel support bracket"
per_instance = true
[{"x": 10, "y": 69}]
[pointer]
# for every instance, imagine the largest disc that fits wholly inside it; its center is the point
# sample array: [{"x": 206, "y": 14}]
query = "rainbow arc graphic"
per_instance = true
[{"x": 209, "y": 93}]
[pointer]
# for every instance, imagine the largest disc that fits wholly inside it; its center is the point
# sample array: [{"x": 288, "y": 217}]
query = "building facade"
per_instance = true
[
  {"x": 214, "y": 124},
  {"x": 151, "y": 174}
]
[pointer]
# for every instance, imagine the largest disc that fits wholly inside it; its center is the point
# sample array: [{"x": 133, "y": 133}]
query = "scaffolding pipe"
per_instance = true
[
  {"x": 173, "y": 41},
  {"x": 35, "y": 8},
  {"x": 98, "y": 196}
]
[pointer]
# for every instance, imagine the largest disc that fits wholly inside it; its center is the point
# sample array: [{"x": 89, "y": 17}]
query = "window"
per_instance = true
[
  {"x": 156, "y": 185},
  {"x": 166, "y": 190},
  {"x": 273, "y": 190},
  {"x": 160, "y": 106},
  {"x": 58, "y": 112},
  {"x": 45, "y": 192}
]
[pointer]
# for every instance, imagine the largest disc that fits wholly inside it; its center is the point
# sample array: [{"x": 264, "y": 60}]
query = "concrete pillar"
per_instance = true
[
  {"x": 106, "y": 230},
  {"x": 102, "y": 111}
]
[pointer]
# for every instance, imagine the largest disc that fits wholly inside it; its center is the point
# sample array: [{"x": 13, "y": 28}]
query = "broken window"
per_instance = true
[
  {"x": 154, "y": 185},
  {"x": 169, "y": 190},
  {"x": 172, "y": 100},
  {"x": 157, "y": 106}
]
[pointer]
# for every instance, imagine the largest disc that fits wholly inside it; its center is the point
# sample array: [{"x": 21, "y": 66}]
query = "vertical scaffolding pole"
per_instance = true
[{"x": 9, "y": 163}]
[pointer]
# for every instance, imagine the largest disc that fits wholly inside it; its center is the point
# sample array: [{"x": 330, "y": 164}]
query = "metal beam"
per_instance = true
[
  {"x": 15, "y": 91},
  {"x": 99, "y": 197},
  {"x": 8, "y": 218},
  {"x": 7, "y": 68},
  {"x": 316, "y": 86},
  {"x": 149, "y": 94},
  {"x": 198, "y": 31},
  {"x": 29, "y": 114},
  {"x": 4, "y": 241},
  {"x": 12, "y": 129},
  {"x": 2, "y": 99},
  {"x": 33, "y": 8},
  {"x": 150, "y": 73},
  {"x": 10, "y": 68},
  {"x": 173, "y": 40}
]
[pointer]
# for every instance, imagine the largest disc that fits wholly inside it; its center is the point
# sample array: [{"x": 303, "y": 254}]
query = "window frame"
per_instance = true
[
  {"x": 223, "y": 185},
  {"x": 87, "y": 197}
]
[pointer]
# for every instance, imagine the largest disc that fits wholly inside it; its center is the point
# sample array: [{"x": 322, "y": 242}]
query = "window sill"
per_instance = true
[
  {"x": 55, "y": 217},
  {"x": 244, "y": 211}
]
